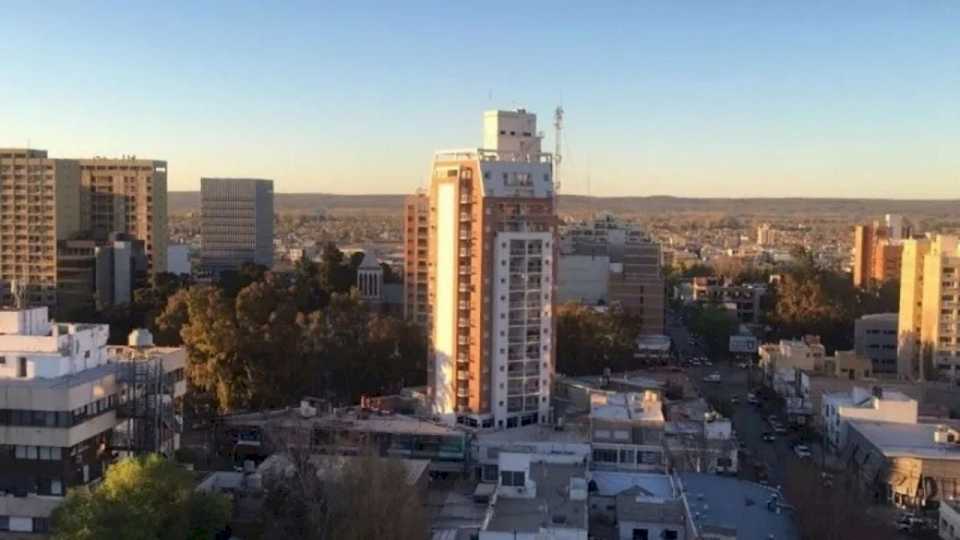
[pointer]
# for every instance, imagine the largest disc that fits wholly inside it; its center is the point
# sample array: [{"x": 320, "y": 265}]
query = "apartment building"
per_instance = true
[
  {"x": 39, "y": 208},
  {"x": 929, "y": 321},
  {"x": 127, "y": 195},
  {"x": 607, "y": 260},
  {"x": 236, "y": 224},
  {"x": 875, "y": 337},
  {"x": 416, "y": 260},
  {"x": 877, "y": 250},
  {"x": 63, "y": 398},
  {"x": 491, "y": 277}
]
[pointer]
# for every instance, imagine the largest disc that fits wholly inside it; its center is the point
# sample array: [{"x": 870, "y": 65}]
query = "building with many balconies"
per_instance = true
[{"x": 491, "y": 277}]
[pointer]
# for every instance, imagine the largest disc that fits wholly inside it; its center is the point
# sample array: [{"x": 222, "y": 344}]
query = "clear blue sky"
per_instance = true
[{"x": 732, "y": 98}]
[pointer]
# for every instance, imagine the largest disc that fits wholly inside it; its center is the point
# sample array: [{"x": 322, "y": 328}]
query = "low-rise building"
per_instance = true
[
  {"x": 848, "y": 365},
  {"x": 908, "y": 465},
  {"x": 536, "y": 499},
  {"x": 343, "y": 431},
  {"x": 878, "y": 405},
  {"x": 804, "y": 354},
  {"x": 700, "y": 444},
  {"x": 949, "y": 526},
  {"x": 725, "y": 508},
  {"x": 626, "y": 431},
  {"x": 875, "y": 337},
  {"x": 642, "y": 505},
  {"x": 743, "y": 299}
]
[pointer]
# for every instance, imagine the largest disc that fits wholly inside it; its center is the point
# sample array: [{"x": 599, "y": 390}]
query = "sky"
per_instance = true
[{"x": 688, "y": 98}]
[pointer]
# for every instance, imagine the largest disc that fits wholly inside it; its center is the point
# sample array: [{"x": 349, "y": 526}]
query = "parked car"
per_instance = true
[
  {"x": 802, "y": 451},
  {"x": 779, "y": 429},
  {"x": 712, "y": 378},
  {"x": 734, "y": 400},
  {"x": 769, "y": 437},
  {"x": 742, "y": 365}
]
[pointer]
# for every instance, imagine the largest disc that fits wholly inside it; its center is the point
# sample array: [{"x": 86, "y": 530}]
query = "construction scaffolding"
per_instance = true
[{"x": 148, "y": 420}]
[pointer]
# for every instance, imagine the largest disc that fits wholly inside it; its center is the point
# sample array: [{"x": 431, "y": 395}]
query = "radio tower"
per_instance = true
[{"x": 557, "y": 158}]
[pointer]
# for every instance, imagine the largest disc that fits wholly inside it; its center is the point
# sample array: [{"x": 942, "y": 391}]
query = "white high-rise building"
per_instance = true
[{"x": 492, "y": 275}]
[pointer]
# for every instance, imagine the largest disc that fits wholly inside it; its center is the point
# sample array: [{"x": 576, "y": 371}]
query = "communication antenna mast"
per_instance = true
[{"x": 557, "y": 158}]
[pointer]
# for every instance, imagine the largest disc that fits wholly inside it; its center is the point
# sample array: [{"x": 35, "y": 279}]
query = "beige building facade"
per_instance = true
[
  {"x": 39, "y": 208},
  {"x": 416, "y": 260},
  {"x": 127, "y": 195},
  {"x": 929, "y": 322}
]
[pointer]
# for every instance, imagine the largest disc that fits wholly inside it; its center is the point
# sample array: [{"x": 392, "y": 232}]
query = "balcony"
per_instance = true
[
  {"x": 463, "y": 375},
  {"x": 463, "y": 392}
]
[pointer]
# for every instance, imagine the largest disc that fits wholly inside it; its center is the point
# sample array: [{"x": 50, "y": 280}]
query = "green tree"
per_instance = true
[
  {"x": 715, "y": 324},
  {"x": 147, "y": 498}
]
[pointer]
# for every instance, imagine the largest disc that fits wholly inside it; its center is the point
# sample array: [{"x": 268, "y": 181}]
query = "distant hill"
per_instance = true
[{"x": 186, "y": 201}]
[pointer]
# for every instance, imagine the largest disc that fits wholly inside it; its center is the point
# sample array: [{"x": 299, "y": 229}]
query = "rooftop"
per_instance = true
[
  {"x": 631, "y": 407},
  {"x": 725, "y": 504},
  {"x": 63, "y": 382},
  {"x": 634, "y": 505},
  {"x": 895, "y": 439},
  {"x": 349, "y": 419},
  {"x": 572, "y": 433},
  {"x": 551, "y": 508},
  {"x": 653, "y": 485}
]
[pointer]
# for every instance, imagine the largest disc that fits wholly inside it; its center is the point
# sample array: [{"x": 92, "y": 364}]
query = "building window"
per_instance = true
[
  {"x": 513, "y": 478},
  {"x": 21, "y": 367}
]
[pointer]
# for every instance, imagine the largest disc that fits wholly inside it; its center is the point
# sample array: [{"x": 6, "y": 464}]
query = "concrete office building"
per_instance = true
[
  {"x": 929, "y": 322},
  {"x": 236, "y": 224},
  {"x": 101, "y": 274},
  {"x": 875, "y": 337},
  {"x": 39, "y": 207},
  {"x": 63, "y": 396},
  {"x": 876, "y": 405},
  {"x": 178, "y": 259},
  {"x": 877, "y": 250},
  {"x": 744, "y": 299},
  {"x": 416, "y": 259},
  {"x": 491, "y": 277},
  {"x": 127, "y": 195},
  {"x": 583, "y": 278}
]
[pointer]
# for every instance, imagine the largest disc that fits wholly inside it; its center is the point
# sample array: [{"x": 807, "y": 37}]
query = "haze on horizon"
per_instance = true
[{"x": 704, "y": 99}]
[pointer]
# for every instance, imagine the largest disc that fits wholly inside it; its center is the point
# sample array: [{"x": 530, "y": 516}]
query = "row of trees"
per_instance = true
[{"x": 260, "y": 340}]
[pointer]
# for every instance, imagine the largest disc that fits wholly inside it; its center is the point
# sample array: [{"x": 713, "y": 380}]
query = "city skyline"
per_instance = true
[{"x": 740, "y": 100}]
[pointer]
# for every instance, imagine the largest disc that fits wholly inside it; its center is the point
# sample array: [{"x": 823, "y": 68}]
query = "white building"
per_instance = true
[
  {"x": 583, "y": 278},
  {"x": 178, "y": 259},
  {"x": 60, "y": 405},
  {"x": 875, "y": 337},
  {"x": 536, "y": 500},
  {"x": 877, "y": 405}
]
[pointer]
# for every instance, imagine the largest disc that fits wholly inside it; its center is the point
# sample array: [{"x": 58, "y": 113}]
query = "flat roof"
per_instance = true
[
  {"x": 551, "y": 508},
  {"x": 721, "y": 503},
  {"x": 572, "y": 433},
  {"x": 895, "y": 439},
  {"x": 348, "y": 420},
  {"x": 65, "y": 381}
]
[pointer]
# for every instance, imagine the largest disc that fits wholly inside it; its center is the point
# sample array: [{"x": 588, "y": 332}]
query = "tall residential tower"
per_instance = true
[
  {"x": 929, "y": 322},
  {"x": 491, "y": 276},
  {"x": 39, "y": 208},
  {"x": 128, "y": 196}
]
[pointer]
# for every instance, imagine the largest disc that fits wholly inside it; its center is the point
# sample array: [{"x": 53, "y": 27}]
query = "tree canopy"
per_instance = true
[
  {"x": 589, "y": 340},
  {"x": 147, "y": 498},
  {"x": 277, "y": 339}
]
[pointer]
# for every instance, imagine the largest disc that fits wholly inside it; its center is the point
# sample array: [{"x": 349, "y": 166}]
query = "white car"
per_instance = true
[
  {"x": 802, "y": 451},
  {"x": 712, "y": 378}
]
